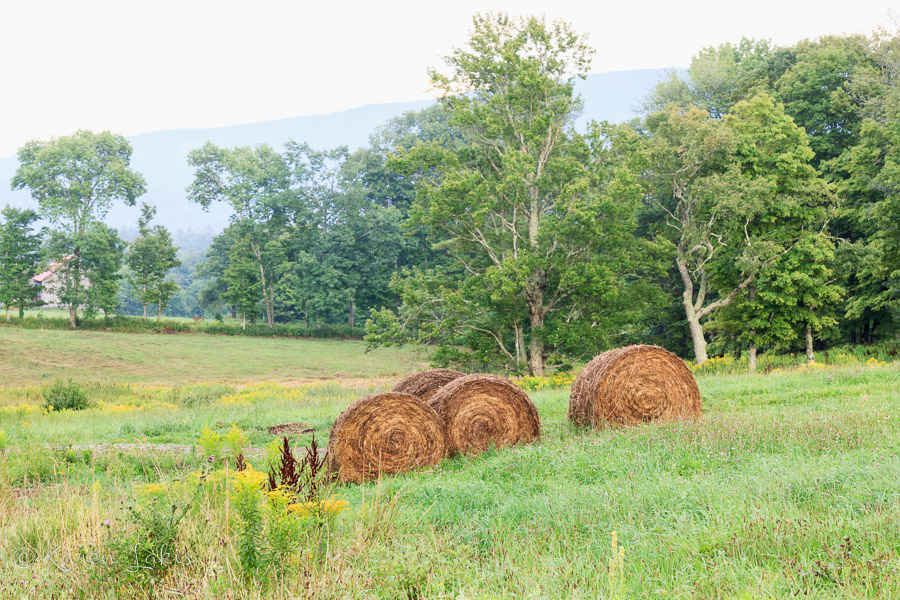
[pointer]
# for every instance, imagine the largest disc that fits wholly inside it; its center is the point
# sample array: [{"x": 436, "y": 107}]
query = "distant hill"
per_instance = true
[{"x": 162, "y": 156}]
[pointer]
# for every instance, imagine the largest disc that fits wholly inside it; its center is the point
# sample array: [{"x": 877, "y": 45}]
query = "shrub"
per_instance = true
[{"x": 65, "y": 395}]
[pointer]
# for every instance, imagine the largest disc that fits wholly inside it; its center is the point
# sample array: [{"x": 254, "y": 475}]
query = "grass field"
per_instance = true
[
  {"x": 788, "y": 487},
  {"x": 35, "y": 356}
]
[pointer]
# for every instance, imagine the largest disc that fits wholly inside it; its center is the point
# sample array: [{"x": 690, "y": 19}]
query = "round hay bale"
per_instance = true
[
  {"x": 423, "y": 385},
  {"x": 480, "y": 410},
  {"x": 633, "y": 385},
  {"x": 385, "y": 433}
]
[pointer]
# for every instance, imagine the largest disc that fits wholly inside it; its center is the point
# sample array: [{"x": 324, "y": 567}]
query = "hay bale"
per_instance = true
[
  {"x": 480, "y": 410},
  {"x": 633, "y": 385},
  {"x": 385, "y": 433},
  {"x": 423, "y": 385}
]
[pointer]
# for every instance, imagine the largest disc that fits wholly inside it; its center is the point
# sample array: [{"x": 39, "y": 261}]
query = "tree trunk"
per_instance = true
[
  {"x": 536, "y": 344},
  {"x": 144, "y": 290},
  {"x": 73, "y": 317},
  {"x": 521, "y": 358},
  {"x": 751, "y": 361},
  {"x": 351, "y": 312},
  {"x": 696, "y": 336},
  {"x": 266, "y": 290},
  {"x": 810, "y": 355},
  {"x": 244, "y": 321}
]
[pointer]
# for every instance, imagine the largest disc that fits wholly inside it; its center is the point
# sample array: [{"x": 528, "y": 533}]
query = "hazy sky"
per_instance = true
[{"x": 134, "y": 66}]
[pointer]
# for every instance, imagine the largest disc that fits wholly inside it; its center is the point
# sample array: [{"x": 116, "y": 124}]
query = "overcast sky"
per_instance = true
[{"x": 134, "y": 66}]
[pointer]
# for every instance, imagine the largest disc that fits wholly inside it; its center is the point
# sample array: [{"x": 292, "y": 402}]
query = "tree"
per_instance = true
[
  {"x": 737, "y": 194},
  {"x": 75, "y": 180},
  {"x": 793, "y": 297},
  {"x": 532, "y": 219},
  {"x": 149, "y": 258},
  {"x": 19, "y": 257},
  {"x": 255, "y": 182}
]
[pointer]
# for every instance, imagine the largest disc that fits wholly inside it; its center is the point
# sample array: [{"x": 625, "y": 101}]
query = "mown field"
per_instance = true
[
  {"x": 788, "y": 487},
  {"x": 35, "y": 356}
]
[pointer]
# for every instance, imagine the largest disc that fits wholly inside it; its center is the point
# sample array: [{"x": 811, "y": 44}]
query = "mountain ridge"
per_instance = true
[{"x": 161, "y": 156}]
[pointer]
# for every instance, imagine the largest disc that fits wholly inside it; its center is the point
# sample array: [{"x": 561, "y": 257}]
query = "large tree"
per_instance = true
[
  {"x": 75, "y": 180},
  {"x": 736, "y": 193},
  {"x": 20, "y": 256},
  {"x": 255, "y": 183},
  {"x": 533, "y": 226}
]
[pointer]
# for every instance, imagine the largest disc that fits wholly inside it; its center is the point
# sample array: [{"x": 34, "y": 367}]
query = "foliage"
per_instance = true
[
  {"x": 254, "y": 182},
  {"x": 19, "y": 258},
  {"x": 75, "y": 180},
  {"x": 535, "y": 218},
  {"x": 148, "y": 551},
  {"x": 211, "y": 444},
  {"x": 735, "y": 196},
  {"x": 149, "y": 258},
  {"x": 65, "y": 395}
]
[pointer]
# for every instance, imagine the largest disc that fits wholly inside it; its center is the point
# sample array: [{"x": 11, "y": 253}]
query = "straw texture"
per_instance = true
[
  {"x": 480, "y": 410},
  {"x": 633, "y": 385},
  {"x": 385, "y": 433}
]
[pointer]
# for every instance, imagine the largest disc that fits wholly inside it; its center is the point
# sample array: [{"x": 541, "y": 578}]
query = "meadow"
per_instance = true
[
  {"x": 787, "y": 487},
  {"x": 30, "y": 356}
]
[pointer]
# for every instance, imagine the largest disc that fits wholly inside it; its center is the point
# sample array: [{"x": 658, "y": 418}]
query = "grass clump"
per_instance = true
[{"x": 200, "y": 395}]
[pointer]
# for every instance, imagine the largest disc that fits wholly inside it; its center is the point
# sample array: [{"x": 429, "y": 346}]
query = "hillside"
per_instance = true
[{"x": 161, "y": 156}]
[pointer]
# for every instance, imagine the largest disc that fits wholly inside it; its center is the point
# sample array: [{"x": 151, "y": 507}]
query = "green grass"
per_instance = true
[
  {"x": 35, "y": 356},
  {"x": 786, "y": 488}
]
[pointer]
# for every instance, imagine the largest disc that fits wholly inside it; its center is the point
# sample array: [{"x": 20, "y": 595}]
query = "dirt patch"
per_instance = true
[{"x": 291, "y": 429}]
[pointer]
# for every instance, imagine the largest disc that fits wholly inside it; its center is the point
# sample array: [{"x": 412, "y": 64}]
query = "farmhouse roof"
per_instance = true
[{"x": 54, "y": 266}]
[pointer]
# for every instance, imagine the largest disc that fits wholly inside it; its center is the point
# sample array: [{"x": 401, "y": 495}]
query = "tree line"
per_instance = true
[{"x": 753, "y": 205}]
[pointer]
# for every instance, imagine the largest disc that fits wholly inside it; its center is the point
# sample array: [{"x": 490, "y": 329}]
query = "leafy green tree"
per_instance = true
[
  {"x": 75, "y": 180},
  {"x": 149, "y": 258},
  {"x": 255, "y": 183},
  {"x": 737, "y": 195},
  {"x": 344, "y": 243},
  {"x": 241, "y": 279},
  {"x": 89, "y": 279},
  {"x": 535, "y": 229},
  {"x": 818, "y": 92},
  {"x": 20, "y": 249},
  {"x": 794, "y": 297},
  {"x": 721, "y": 76}
]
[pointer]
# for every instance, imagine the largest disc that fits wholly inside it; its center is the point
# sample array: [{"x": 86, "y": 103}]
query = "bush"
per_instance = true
[{"x": 65, "y": 395}]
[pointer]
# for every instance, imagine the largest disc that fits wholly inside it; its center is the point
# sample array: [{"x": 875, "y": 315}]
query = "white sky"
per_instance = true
[{"x": 134, "y": 66}]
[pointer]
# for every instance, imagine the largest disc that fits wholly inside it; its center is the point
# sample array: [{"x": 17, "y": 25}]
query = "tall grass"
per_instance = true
[{"x": 785, "y": 488}]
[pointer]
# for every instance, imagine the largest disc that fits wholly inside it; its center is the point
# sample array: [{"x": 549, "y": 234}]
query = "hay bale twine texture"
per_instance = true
[
  {"x": 385, "y": 433},
  {"x": 633, "y": 385},
  {"x": 480, "y": 410},
  {"x": 424, "y": 385}
]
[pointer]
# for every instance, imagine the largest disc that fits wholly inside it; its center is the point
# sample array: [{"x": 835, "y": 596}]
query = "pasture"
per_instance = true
[
  {"x": 35, "y": 356},
  {"x": 787, "y": 487}
]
